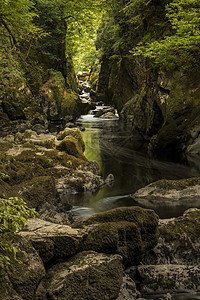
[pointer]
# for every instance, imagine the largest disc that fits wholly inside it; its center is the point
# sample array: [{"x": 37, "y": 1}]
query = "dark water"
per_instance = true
[{"x": 109, "y": 143}]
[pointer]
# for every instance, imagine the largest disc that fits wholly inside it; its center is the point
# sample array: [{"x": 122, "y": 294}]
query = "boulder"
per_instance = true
[
  {"x": 52, "y": 241},
  {"x": 179, "y": 240},
  {"x": 71, "y": 146},
  {"x": 74, "y": 132},
  {"x": 128, "y": 289},
  {"x": 13, "y": 110},
  {"x": 87, "y": 275},
  {"x": 170, "y": 192},
  {"x": 129, "y": 232},
  {"x": 22, "y": 276},
  {"x": 172, "y": 266},
  {"x": 108, "y": 115}
]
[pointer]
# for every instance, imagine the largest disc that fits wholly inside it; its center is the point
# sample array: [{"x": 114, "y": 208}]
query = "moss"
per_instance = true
[
  {"x": 186, "y": 226},
  {"x": 71, "y": 146},
  {"x": 176, "y": 184},
  {"x": 121, "y": 237},
  {"x": 75, "y": 132},
  {"x": 127, "y": 231}
]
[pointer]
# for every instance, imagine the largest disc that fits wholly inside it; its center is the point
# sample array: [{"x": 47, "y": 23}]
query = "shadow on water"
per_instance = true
[{"x": 109, "y": 143}]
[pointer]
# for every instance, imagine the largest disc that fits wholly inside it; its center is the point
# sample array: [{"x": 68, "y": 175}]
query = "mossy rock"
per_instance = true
[
  {"x": 187, "y": 225},
  {"x": 71, "y": 146},
  {"x": 87, "y": 275},
  {"x": 176, "y": 184},
  {"x": 22, "y": 276},
  {"x": 129, "y": 232},
  {"x": 75, "y": 132}
]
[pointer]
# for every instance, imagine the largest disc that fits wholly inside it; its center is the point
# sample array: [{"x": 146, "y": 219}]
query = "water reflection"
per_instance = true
[{"x": 109, "y": 143}]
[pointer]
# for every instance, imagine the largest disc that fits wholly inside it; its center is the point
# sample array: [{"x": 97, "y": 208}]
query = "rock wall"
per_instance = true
[
  {"x": 161, "y": 105},
  {"x": 38, "y": 85}
]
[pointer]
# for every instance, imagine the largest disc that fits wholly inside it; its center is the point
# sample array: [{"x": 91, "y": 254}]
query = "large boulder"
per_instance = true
[
  {"x": 87, "y": 275},
  {"x": 129, "y": 232},
  {"x": 163, "y": 193},
  {"x": 179, "y": 240},
  {"x": 71, "y": 146},
  {"x": 52, "y": 241},
  {"x": 22, "y": 276}
]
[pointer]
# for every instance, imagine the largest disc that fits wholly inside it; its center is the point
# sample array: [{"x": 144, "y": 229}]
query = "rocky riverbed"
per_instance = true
[
  {"x": 41, "y": 168},
  {"x": 123, "y": 254}
]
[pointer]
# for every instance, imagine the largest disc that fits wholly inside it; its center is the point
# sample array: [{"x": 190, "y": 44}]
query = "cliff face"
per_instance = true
[
  {"x": 161, "y": 104},
  {"x": 38, "y": 82}
]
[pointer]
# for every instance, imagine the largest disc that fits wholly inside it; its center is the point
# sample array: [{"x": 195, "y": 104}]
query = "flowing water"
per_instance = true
[{"x": 110, "y": 143}]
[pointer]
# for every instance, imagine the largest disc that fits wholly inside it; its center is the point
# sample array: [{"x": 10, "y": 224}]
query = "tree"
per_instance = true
[
  {"x": 180, "y": 46},
  {"x": 16, "y": 20}
]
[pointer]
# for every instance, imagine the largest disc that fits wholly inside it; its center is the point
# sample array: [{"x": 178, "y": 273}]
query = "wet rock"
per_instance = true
[
  {"x": 172, "y": 266},
  {"x": 105, "y": 110},
  {"x": 194, "y": 148},
  {"x": 179, "y": 240},
  {"x": 109, "y": 179},
  {"x": 87, "y": 275},
  {"x": 173, "y": 192},
  {"x": 108, "y": 115},
  {"x": 21, "y": 279}
]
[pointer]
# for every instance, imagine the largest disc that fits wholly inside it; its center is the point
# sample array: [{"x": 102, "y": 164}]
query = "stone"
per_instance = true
[
  {"x": 194, "y": 148},
  {"x": 108, "y": 115},
  {"x": 179, "y": 240},
  {"x": 172, "y": 266},
  {"x": 158, "y": 279},
  {"x": 71, "y": 146},
  {"x": 130, "y": 232},
  {"x": 170, "y": 192},
  {"x": 52, "y": 241},
  {"x": 87, "y": 275},
  {"x": 13, "y": 110},
  {"x": 128, "y": 289},
  {"x": 21, "y": 278},
  {"x": 74, "y": 132}
]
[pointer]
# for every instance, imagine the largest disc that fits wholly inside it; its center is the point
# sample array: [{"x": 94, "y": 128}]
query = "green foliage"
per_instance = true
[
  {"x": 16, "y": 20},
  {"x": 13, "y": 215},
  {"x": 182, "y": 44}
]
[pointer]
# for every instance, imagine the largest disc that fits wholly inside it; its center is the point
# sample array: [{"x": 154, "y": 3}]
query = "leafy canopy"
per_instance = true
[{"x": 184, "y": 39}]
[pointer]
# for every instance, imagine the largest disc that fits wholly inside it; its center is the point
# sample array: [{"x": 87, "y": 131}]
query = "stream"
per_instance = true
[{"x": 109, "y": 142}]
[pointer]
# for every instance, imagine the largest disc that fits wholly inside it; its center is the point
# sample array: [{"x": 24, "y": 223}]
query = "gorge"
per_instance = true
[{"x": 108, "y": 156}]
